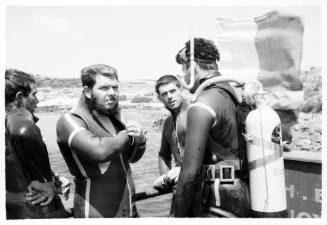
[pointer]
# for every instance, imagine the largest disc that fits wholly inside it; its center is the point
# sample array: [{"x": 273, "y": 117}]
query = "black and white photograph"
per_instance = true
[{"x": 121, "y": 109}]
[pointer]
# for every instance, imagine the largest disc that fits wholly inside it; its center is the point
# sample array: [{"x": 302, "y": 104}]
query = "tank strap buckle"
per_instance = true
[
  {"x": 210, "y": 174},
  {"x": 227, "y": 173}
]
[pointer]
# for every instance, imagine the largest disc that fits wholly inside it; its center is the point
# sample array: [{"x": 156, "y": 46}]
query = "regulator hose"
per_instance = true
[{"x": 216, "y": 80}]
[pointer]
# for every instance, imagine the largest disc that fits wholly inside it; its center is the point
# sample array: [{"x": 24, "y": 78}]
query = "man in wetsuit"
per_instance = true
[
  {"x": 211, "y": 135},
  {"x": 98, "y": 145},
  {"x": 30, "y": 185},
  {"x": 169, "y": 91}
]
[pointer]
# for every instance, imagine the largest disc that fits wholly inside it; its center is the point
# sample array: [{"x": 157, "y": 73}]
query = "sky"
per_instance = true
[{"x": 140, "y": 41}]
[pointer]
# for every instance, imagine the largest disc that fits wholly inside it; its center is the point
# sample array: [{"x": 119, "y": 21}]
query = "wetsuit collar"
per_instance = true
[
  {"x": 84, "y": 109},
  {"x": 224, "y": 85},
  {"x": 24, "y": 110},
  {"x": 210, "y": 75}
]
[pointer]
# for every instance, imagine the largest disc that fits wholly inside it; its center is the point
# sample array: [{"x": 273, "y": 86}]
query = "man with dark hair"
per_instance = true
[
  {"x": 169, "y": 91},
  {"x": 211, "y": 140},
  {"x": 98, "y": 144},
  {"x": 30, "y": 185}
]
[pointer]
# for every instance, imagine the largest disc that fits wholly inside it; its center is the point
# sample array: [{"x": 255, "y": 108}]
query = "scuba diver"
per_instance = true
[{"x": 210, "y": 177}]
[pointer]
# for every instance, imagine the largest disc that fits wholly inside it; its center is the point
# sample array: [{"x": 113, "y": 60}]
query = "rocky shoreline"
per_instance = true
[{"x": 59, "y": 96}]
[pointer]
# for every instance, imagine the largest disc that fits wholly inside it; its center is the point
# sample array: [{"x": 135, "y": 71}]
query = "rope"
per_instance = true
[{"x": 264, "y": 162}]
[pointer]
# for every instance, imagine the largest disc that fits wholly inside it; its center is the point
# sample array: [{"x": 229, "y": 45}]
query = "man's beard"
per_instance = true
[{"x": 102, "y": 110}]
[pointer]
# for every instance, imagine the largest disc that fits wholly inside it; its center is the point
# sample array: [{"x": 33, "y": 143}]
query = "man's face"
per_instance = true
[
  {"x": 104, "y": 94},
  {"x": 171, "y": 96},
  {"x": 30, "y": 102}
]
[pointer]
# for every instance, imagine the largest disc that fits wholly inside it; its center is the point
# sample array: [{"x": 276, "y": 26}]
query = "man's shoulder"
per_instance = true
[
  {"x": 20, "y": 114},
  {"x": 70, "y": 119},
  {"x": 68, "y": 124},
  {"x": 20, "y": 121},
  {"x": 215, "y": 97}
]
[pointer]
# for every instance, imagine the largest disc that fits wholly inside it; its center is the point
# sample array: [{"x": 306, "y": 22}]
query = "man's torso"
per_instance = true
[
  {"x": 174, "y": 131},
  {"x": 102, "y": 189},
  {"x": 26, "y": 160}
]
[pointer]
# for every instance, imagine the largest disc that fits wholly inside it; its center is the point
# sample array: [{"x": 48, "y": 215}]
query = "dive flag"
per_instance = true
[{"x": 268, "y": 49}]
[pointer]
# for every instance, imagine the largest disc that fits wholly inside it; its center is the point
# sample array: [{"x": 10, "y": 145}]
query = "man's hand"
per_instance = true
[
  {"x": 173, "y": 174},
  {"x": 134, "y": 129},
  {"x": 170, "y": 178},
  {"x": 160, "y": 182},
  {"x": 63, "y": 185},
  {"x": 40, "y": 193}
]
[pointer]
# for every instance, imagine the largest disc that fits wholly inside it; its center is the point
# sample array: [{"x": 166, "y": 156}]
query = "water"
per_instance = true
[{"x": 145, "y": 171}]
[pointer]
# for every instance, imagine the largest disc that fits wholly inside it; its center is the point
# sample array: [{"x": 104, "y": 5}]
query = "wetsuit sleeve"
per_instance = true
[
  {"x": 136, "y": 152},
  {"x": 188, "y": 196},
  {"x": 165, "y": 158},
  {"x": 72, "y": 131},
  {"x": 27, "y": 140}
]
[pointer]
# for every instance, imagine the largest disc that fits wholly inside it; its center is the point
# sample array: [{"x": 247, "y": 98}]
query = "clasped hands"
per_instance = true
[{"x": 43, "y": 193}]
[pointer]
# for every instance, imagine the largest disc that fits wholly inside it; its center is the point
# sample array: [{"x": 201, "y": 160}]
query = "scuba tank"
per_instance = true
[
  {"x": 264, "y": 150},
  {"x": 265, "y": 159}
]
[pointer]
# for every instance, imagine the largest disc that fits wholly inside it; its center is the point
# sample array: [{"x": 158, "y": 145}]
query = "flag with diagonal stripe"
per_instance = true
[{"x": 268, "y": 49}]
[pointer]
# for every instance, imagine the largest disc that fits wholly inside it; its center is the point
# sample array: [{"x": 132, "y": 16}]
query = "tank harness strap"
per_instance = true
[
  {"x": 277, "y": 153},
  {"x": 224, "y": 172},
  {"x": 218, "y": 150},
  {"x": 241, "y": 149},
  {"x": 221, "y": 152}
]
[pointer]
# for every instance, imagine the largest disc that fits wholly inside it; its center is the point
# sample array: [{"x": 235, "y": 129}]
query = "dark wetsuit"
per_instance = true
[
  {"x": 26, "y": 160},
  {"x": 213, "y": 115},
  {"x": 104, "y": 185}
]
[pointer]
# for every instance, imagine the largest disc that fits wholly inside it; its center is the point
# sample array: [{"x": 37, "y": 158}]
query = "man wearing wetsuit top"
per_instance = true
[
  {"x": 211, "y": 118},
  {"x": 169, "y": 91},
  {"x": 98, "y": 145},
  {"x": 30, "y": 185}
]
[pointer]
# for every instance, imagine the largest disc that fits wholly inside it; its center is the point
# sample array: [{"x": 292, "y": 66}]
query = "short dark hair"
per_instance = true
[
  {"x": 166, "y": 79},
  {"x": 206, "y": 54},
  {"x": 16, "y": 81},
  {"x": 204, "y": 66},
  {"x": 88, "y": 74}
]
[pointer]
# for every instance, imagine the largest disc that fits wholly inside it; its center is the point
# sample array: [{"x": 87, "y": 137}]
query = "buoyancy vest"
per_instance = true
[
  {"x": 223, "y": 138},
  {"x": 231, "y": 196}
]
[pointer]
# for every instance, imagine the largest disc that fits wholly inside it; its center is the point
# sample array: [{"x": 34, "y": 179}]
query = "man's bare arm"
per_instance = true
[{"x": 199, "y": 122}]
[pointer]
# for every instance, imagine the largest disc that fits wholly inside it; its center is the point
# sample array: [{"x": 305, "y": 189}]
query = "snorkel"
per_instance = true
[{"x": 192, "y": 78}]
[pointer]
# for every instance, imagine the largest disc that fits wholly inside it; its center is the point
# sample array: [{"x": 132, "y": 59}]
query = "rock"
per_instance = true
[
  {"x": 141, "y": 99},
  {"x": 312, "y": 104},
  {"x": 122, "y": 98}
]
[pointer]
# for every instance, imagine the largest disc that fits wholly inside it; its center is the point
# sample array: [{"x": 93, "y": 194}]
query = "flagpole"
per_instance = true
[
  {"x": 192, "y": 65},
  {"x": 192, "y": 78}
]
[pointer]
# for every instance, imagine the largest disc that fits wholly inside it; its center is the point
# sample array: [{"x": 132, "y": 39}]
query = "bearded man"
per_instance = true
[{"x": 98, "y": 145}]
